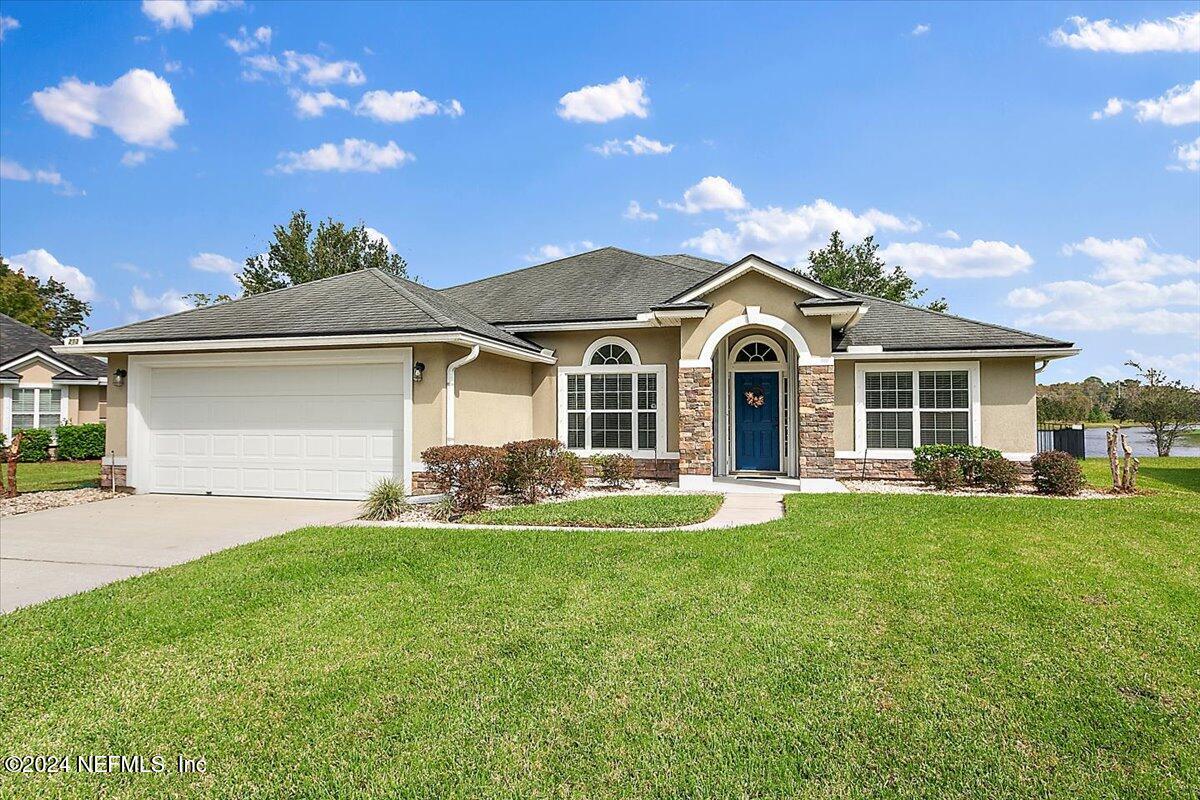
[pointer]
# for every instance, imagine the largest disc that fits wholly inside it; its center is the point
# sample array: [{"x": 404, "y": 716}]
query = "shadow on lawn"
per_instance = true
[{"x": 1182, "y": 478}]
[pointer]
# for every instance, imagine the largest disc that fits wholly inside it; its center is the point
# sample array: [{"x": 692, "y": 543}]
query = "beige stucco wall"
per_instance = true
[
  {"x": 654, "y": 346},
  {"x": 114, "y": 439},
  {"x": 429, "y": 406},
  {"x": 755, "y": 289},
  {"x": 1007, "y": 403},
  {"x": 88, "y": 404},
  {"x": 494, "y": 401},
  {"x": 36, "y": 373}
]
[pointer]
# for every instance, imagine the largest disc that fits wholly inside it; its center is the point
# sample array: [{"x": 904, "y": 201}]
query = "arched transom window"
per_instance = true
[
  {"x": 611, "y": 354},
  {"x": 757, "y": 351}
]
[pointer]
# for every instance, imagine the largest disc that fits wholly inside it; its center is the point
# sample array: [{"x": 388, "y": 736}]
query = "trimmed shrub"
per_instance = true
[
  {"x": 567, "y": 473},
  {"x": 81, "y": 442},
  {"x": 615, "y": 470},
  {"x": 1057, "y": 473},
  {"x": 466, "y": 473},
  {"x": 386, "y": 500},
  {"x": 970, "y": 459},
  {"x": 529, "y": 468},
  {"x": 999, "y": 475},
  {"x": 944, "y": 473},
  {"x": 35, "y": 444}
]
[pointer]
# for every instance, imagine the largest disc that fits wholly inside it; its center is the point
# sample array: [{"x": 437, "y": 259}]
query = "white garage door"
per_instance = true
[{"x": 326, "y": 430}]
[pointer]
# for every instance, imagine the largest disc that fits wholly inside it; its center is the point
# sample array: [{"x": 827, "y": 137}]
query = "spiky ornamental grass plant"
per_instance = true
[{"x": 386, "y": 500}]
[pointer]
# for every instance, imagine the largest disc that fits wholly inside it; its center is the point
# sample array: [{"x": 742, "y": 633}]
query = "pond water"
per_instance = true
[{"x": 1140, "y": 439}]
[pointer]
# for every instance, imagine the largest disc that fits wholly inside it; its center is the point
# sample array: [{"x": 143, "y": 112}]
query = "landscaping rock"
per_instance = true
[{"x": 40, "y": 501}]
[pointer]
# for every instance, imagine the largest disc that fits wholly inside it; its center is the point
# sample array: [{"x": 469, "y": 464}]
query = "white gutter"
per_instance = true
[
  {"x": 76, "y": 346},
  {"x": 450, "y": 370},
  {"x": 1040, "y": 354}
]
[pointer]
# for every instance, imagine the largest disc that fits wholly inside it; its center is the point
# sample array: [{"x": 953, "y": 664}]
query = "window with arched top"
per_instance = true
[
  {"x": 757, "y": 351},
  {"x": 611, "y": 354}
]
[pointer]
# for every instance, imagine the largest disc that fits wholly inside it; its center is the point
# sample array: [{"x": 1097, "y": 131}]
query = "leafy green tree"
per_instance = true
[
  {"x": 202, "y": 299},
  {"x": 1168, "y": 408},
  {"x": 859, "y": 268},
  {"x": 298, "y": 255},
  {"x": 48, "y": 306}
]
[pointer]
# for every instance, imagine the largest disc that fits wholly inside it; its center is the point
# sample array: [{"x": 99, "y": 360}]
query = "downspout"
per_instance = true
[
  {"x": 450, "y": 369},
  {"x": 1045, "y": 363}
]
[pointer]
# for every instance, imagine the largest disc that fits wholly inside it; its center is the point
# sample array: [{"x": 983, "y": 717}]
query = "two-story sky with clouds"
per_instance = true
[{"x": 1036, "y": 164}]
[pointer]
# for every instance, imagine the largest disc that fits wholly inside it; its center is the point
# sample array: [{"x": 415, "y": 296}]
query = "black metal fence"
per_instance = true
[{"x": 1068, "y": 438}]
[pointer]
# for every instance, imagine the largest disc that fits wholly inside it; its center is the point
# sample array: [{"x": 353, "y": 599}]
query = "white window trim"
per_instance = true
[
  {"x": 860, "y": 404},
  {"x": 607, "y": 340},
  {"x": 63, "y": 404},
  {"x": 660, "y": 412}
]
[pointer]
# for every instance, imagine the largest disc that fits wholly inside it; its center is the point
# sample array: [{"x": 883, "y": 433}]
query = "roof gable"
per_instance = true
[
  {"x": 754, "y": 263},
  {"x": 20, "y": 342}
]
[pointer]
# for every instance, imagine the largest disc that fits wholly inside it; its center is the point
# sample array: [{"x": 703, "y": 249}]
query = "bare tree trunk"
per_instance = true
[
  {"x": 1112, "y": 455},
  {"x": 1129, "y": 468},
  {"x": 14, "y": 450}
]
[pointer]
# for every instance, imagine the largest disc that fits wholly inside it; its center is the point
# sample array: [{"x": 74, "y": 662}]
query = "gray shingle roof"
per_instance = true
[
  {"x": 608, "y": 283},
  {"x": 366, "y": 301},
  {"x": 896, "y": 326},
  {"x": 18, "y": 339}
]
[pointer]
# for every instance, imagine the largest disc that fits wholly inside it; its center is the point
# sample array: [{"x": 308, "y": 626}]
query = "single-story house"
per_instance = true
[
  {"x": 694, "y": 368},
  {"x": 43, "y": 388}
]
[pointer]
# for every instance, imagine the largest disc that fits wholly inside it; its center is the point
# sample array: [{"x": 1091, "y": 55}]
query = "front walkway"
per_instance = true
[{"x": 62, "y": 551}]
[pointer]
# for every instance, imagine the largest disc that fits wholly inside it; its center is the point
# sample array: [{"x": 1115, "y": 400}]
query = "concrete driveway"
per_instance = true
[{"x": 62, "y": 551}]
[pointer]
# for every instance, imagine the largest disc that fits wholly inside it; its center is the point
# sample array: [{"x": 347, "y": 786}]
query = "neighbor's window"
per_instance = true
[
  {"x": 940, "y": 404},
  {"x": 36, "y": 408},
  {"x": 612, "y": 408}
]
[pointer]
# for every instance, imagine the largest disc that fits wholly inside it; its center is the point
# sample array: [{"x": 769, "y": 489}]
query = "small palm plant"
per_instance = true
[{"x": 386, "y": 500}]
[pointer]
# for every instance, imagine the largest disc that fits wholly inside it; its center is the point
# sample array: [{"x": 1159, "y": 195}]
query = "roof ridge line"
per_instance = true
[
  {"x": 411, "y": 296},
  {"x": 660, "y": 260},
  {"x": 960, "y": 318}
]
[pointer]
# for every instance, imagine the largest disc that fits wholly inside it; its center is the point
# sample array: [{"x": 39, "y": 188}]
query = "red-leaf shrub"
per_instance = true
[
  {"x": 1057, "y": 473},
  {"x": 466, "y": 473},
  {"x": 566, "y": 473},
  {"x": 615, "y": 470},
  {"x": 944, "y": 473},
  {"x": 529, "y": 468},
  {"x": 999, "y": 475}
]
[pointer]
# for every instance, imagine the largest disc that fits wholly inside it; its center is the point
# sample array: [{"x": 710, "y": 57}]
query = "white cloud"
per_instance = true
[
  {"x": 403, "y": 106},
  {"x": 712, "y": 193},
  {"x": 212, "y": 262},
  {"x": 950, "y": 234},
  {"x": 7, "y": 24},
  {"x": 134, "y": 158},
  {"x": 637, "y": 146},
  {"x": 245, "y": 41},
  {"x": 553, "y": 252},
  {"x": 313, "y": 104},
  {"x": 352, "y": 155},
  {"x": 1130, "y": 305},
  {"x": 1131, "y": 259},
  {"x": 169, "y": 302},
  {"x": 1187, "y": 364},
  {"x": 172, "y": 66},
  {"x": 379, "y": 236},
  {"x": 920, "y": 30},
  {"x": 634, "y": 211},
  {"x": 605, "y": 102},
  {"x": 980, "y": 259},
  {"x": 1174, "y": 34},
  {"x": 312, "y": 69},
  {"x": 12, "y": 171},
  {"x": 139, "y": 107},
  {"x": 1179, "y": 106},
  {"x": 1188, "y": 155},
  {"x": 788, "y": 235},
  {"x": 41, "y": 263},
  {"x": 168, "y": 14}
]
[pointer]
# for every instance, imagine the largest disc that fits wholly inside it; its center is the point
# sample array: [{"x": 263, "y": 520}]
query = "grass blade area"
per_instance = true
[
  {"x": 618, "y": 511},
  {"x": 44, "y": 476},
  {"x": 892, "y": 645}
]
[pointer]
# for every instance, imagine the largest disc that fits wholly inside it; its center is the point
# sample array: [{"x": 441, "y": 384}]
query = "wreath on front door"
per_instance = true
[{"x": 755, "y": 397}]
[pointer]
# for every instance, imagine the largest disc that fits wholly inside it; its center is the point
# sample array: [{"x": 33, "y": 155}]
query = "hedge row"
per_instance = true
[{"x": 75, "y": 442}]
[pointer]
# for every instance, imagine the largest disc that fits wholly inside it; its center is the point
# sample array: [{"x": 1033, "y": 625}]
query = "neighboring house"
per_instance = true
[
  {"x": 41, "y": 387},
  {"x": 694, "y": 368}
]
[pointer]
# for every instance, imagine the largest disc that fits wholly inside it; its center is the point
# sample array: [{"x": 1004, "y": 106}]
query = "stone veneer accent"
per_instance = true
[
  {"x": 696, "y": 420},
  {"x": 107, "y": 472},
  {"x": 814, "y": 420}
]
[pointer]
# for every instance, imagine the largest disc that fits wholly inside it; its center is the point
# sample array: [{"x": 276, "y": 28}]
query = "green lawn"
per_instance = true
[
  {"x": 621, "y": 511},
  {"x": 898, "y": 646},
  {"x": 54, "y": 475},
  {"x": 1175, "y": 474}
]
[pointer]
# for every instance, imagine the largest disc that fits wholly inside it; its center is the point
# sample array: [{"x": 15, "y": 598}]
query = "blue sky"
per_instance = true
[{"x": 145, "y": 156}]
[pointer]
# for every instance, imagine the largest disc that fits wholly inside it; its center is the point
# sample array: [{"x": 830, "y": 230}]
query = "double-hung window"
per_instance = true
[
  {"x": 903, "y": 408},
  {"x": 612, "y": 403},
  {"x": 36, "y": 408}
]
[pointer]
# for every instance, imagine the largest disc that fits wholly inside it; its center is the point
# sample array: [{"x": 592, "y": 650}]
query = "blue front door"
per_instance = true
[{"x": 756, "y": 420}]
